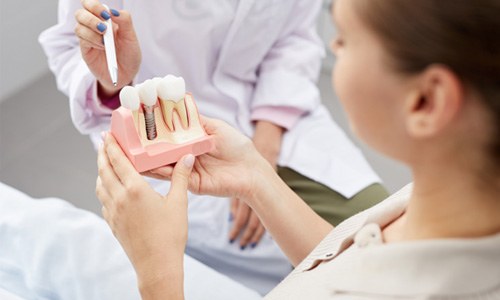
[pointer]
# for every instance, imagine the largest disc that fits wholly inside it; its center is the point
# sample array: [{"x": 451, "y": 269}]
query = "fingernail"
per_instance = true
[
  {"x": 189, "y": 161},
  {"x": 253, "y": 245},
  {"x": 242, "y": 248},
  {"x": 101, "y": 27},
  {"x": 231, "y": 241},
  {"x": 105, "y": 15},
  {"x": 114, "y": 12},
  {"x": 231, "y": 218}
]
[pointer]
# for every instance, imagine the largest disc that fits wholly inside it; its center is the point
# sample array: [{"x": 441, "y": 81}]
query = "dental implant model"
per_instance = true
[
  {"x": 148, "y": 96},
  {"x": 158, "y": 133},
  {"x": 171, "y": 91}
]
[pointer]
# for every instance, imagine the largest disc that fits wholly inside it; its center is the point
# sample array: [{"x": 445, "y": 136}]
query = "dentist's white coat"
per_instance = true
[{"x": 236, "y": 56}]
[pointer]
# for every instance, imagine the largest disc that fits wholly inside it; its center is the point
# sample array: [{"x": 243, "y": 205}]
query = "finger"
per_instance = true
[
  {"x": 122, "y": 167},
  {"x": 104, "y": 212},
  {"x": 124, "y": 20},
  {"x": 108, "y": 179},
  {"x": 101, "y": 193},
  {"x": 89, "y": 37},
  {"x": 240, "y": 220},
  {"x": 86, "y": 45},
  {"x": 259, "y": 233},
  {"x": 96, "y": 8},
  {"x": 233, "y": 208},
  {"x": 250, "y": 230},
  {"x": 164, "y": 173},
  {"x": 87, "y": 20},
  {"x": 180, "y": 177},
  {"x": 210, "y": 125}
]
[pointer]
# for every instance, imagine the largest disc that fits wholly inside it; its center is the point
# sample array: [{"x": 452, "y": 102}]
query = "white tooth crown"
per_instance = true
[
  {"x": 172, "y": 88},
  {"x": 129, "y": 98},
  {"x": 147, "y": 92},
  {"x": 157, "y": 80}
]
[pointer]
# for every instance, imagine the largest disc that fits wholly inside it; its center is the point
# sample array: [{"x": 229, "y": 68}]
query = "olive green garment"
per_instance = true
[{"x": 330, "y": 205}]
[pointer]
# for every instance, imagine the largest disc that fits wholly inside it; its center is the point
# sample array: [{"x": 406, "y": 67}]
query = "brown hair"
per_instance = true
[{"x": 464, "y": 35}]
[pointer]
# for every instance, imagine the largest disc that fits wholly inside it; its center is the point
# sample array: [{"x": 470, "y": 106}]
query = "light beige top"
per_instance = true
[{"x": 352, "y": 262}]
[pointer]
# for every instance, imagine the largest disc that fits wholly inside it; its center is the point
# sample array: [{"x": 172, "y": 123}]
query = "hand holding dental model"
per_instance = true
[{"x": 161, "y": 130}]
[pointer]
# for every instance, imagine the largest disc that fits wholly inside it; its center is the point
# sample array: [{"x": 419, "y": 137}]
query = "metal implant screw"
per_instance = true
[{"x": 149, "y": 118}]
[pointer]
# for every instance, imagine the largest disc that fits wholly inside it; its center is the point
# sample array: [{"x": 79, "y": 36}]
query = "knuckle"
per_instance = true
[
  {"x": 100, "y": 171},
  {"x": 132, "y": 190}
]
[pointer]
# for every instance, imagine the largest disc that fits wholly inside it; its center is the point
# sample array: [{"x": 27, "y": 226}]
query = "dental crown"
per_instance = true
[
  {"x": 171, "y": 88},
  {"x": 129, "y": 98},
  {"x": 147, "y": 92}
]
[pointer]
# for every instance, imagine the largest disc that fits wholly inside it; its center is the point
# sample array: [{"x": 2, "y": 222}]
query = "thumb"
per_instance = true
[{"x": 180, "y": 176}]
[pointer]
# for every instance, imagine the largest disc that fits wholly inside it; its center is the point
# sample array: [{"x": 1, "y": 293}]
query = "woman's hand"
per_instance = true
[
  {"x": 267, "y": 140},
  {"x": 231, "y": 170},
  {"x": 151, "y": 228},
  {"x": 90, "y": 29}
]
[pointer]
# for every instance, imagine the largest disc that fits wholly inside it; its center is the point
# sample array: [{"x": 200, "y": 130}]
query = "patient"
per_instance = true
[{"x": 420, "y": 81}]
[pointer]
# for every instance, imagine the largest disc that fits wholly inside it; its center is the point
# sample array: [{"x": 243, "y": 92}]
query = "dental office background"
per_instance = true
[{"x": 43, "y": 155}]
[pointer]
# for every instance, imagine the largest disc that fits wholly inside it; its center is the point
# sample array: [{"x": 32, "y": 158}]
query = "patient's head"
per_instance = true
[{"x": 420, "y": 80}]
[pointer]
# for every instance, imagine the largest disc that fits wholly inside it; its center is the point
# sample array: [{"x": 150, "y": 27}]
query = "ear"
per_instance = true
[{"x": 434, "y": 102}]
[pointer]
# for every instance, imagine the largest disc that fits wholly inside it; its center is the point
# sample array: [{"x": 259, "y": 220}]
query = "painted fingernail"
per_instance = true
[
  {"x": 114, "y": 12},
  {"x": 231, "y": 241},
  {"x": 231, "y": 218},
  {"x": 242, "y": 248},
  {"x": 253, "y": 245},
  {"x": 101, "y": 27},
  {"x": 189, "y": 161},
  {"x": 105, "y": 15}
]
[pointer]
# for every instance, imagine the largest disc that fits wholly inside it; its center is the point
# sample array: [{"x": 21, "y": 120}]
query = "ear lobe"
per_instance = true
[{"x": 434, "y": 104}]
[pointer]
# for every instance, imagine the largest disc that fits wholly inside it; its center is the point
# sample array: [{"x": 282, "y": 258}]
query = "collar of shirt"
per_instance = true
[{"x": 446, "y": 267}]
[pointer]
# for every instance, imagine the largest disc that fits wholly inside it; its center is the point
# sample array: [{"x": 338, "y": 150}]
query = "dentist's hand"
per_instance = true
[
  {"x": 90, "y": 29},
  {"x": 151, "y": 228},
  {"x": 231, "y": 170}
]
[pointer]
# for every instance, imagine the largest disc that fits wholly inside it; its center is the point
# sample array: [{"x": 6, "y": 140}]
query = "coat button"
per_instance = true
[{"x": 369, "y": 235}]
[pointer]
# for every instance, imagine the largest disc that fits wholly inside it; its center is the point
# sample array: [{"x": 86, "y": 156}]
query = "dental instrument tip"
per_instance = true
[{"x": 114, "y": 83}]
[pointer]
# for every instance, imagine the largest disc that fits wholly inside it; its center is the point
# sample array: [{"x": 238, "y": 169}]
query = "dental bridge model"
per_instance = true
[{"x": 161, "y": 130}]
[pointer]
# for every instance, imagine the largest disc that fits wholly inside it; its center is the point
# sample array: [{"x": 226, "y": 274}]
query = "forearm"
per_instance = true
[
  {"x": 161, "y": 276},
  {"x": 293, "y": 224},
  {"x": 167, "y": 288}
]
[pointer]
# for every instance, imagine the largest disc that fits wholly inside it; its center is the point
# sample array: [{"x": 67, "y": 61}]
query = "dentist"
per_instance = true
[{"x": 253, "y": 64}]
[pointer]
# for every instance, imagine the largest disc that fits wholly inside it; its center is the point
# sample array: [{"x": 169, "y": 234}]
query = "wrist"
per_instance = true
[
  {"x": 262, "y": 174},
  {"x": 163, "y": 281}
]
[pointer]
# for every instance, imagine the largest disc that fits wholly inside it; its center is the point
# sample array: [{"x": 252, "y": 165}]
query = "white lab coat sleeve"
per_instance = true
[
  {"x": 290, "y": 70},
  {"x": 73, "y": 77}
]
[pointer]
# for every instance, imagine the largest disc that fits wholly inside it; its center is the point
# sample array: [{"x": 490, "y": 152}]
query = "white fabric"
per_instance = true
[
  {"x": 51, "y": 250},
  {"x": 235, "y": 56},
  {"x": 6, "y": 295},
  {"x": 353, "y": 263}
]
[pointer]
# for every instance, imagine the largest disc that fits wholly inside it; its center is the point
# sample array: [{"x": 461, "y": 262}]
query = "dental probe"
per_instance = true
[{"x": 110, "y": 50}]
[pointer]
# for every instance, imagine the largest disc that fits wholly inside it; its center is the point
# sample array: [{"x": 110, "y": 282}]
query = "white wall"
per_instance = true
[{"x": 21, "y": 57}]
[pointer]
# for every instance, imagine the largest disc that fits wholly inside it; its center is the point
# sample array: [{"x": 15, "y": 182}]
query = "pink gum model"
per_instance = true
[{"x": 146, "y": 155}]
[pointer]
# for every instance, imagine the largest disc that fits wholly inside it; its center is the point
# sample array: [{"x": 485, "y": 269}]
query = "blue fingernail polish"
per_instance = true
[
  {"x": 231, "y": 218},
  {"x": 253, "y": 245},
  {"x": 231, "y": 241},
  {"x": 105, "y": 15},
  {"x": 101, "y": 27},
  {"x": 242, "y": 248},
  {"x": 114, "y": 12}
]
